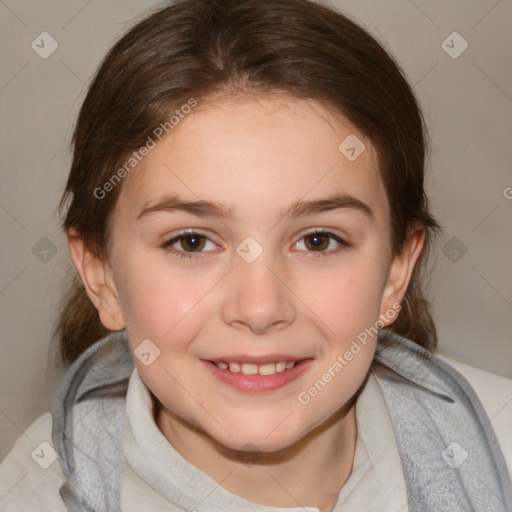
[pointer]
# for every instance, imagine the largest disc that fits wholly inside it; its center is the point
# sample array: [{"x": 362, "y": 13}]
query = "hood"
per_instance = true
[
  {"x": 450, "y": 455},
  {"x": 88, "y": 414}
]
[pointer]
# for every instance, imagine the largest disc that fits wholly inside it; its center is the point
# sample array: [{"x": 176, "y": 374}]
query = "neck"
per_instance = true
[{"x": 311, "y": 472}]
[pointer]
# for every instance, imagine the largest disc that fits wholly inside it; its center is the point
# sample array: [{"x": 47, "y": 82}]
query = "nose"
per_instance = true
[{"x": 257, "y": 298}]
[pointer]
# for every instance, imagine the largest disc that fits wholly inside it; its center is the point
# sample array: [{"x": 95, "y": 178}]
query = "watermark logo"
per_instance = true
[
  {"x": 454, "y": 45},
  {"x": 44, "y": 455},
  {"x": 249, "y": 454},
  {"x": 146, "y": 352},
  {"x": 454, "y": 249},
  {"x": 44, "y": 45},
  {"x": 454, "y": 455},
  {"x": 137, "y": 156},
  {"x": 44, "y": 250},
  {"x": 351, "y": 147},
  {"x": 305, "y": 397},
  {"x": 249, "y": 249}
]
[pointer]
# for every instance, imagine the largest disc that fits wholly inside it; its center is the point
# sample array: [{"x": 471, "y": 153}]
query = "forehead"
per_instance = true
[{"x": 264, "y": 151}]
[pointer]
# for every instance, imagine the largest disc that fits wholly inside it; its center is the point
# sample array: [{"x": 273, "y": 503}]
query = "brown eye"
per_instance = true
[
  {"x": 317, "y": 241},
  {"x": 323, "y": 243},
  {"x": 192, "y": 243}
]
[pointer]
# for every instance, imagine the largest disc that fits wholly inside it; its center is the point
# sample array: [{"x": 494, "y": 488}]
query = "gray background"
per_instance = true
[{"x": 467, "y": 104}]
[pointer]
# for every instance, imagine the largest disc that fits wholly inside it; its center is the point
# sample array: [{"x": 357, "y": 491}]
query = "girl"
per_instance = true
[{"x": 246, "y": 212}]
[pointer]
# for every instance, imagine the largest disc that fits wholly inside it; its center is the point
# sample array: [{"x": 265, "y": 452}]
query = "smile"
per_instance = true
[{"x": 257, "y": 377}]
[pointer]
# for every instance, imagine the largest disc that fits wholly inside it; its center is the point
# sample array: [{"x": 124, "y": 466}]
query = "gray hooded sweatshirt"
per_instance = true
[{"x": 450, "y": 456}]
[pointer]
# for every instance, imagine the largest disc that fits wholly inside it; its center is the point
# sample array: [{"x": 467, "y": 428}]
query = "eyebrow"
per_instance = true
[{"x": 299, "y": 208}]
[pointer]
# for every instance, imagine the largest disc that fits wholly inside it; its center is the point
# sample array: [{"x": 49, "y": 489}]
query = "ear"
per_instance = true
[
  {"x": 399, "y": 274},
  {"x": 98, "y": 281}
]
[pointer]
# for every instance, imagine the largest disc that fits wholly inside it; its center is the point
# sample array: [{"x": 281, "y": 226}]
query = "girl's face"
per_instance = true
[{"x": 244, "y": 243}]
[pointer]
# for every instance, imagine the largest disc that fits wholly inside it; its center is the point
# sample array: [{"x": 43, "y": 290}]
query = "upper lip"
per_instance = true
[{"x": 242, "y": 358}]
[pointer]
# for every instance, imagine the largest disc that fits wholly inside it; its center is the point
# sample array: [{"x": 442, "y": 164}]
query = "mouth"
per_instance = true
[{"x": 257, "y": 375}]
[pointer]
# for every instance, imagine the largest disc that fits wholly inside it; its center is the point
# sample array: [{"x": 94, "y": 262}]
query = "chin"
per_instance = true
[{"x": 265, "y": 437}]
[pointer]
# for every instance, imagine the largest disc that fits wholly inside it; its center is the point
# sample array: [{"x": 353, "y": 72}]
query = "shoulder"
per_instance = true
[
  {"x": 30, "y": 474},
  {"x": 495, "y": 394}
]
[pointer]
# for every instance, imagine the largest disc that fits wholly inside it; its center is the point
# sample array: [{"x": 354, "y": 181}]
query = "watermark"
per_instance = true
[
  {"x": 158, "y": 133},
  {"x": 44, "y": 455},
  {"x": 454, "y": 45},
  {"x": 249, "y": 249},
  {"x": 44, "y": 45},
  {"x": 249, "y": 454},
  {"x": 44, "y": 250},
  {"x": 304, "y": 397},
  {"x": 454, "y": 455},
  {"x": 146, "y": 352},
  {"x": 351, "y": 147},
  {"x": 454, "y": 249}
]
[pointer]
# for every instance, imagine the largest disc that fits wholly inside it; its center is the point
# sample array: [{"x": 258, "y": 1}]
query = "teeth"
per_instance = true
[
  {"x": 234, "y": 367},
  {"x": 249, "y": 369},
  {"x": 267, "y": 369},
  {"x": 254, "y": 369},
  {"x": 280, "y": 367}
]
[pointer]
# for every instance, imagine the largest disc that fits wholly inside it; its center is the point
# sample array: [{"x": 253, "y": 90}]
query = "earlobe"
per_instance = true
[
  {"x": 399, "y": 274},
  {"x": 98, "y": 282}
]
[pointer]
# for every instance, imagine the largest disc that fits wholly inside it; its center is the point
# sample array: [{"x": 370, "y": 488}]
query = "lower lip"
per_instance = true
[{"x": 258, "y": 383}]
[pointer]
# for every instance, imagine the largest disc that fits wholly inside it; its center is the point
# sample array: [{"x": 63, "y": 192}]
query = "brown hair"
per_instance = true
[{"x": 196, "y": 48}]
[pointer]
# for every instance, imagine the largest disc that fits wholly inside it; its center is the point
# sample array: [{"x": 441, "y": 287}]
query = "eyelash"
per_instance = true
[{"x": 167, "y": 246}]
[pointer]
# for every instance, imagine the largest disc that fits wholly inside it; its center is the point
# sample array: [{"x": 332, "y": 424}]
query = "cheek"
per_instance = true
[
  {"x": 346, "y": 306},
  {"x": 345, "y": 300},
  {"x": 156, "y": 298}
]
